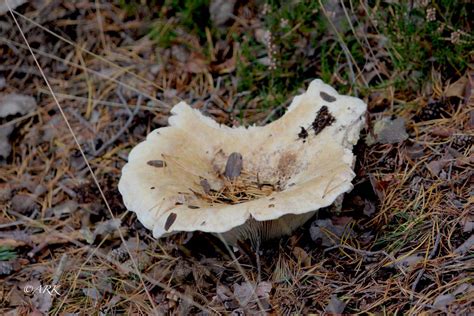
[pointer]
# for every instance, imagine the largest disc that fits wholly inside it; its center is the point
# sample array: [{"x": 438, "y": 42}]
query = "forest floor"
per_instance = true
[{"x": 402, "y": 242}]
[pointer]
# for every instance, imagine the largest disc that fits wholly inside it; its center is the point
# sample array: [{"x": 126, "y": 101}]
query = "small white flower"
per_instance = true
[
  {"x": 266, "y": 9},
  {"x": 431, "y": 14},
  {"x": 455, "y": 37},
  {"x": 284, "y": 23}
]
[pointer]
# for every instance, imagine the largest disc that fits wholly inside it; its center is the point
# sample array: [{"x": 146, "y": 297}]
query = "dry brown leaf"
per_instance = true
[
  {"x": 335, "y": 306},
  {"x": 443, "y": 301},
  {"x": 457, "y": 89},
  {"x": 436, "y": 166},
  {"x": 244, "y": 292},
  {"x": 303, "y": 257},
  {"x": 388, "y": 131},
  {"x": 465, "y": 246},
  {"x": 443, "y": 131},
  {"x": 329, "y": 234}
]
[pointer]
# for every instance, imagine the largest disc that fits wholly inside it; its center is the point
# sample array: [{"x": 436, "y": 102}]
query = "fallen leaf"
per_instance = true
[
  {"x": 42, "y": 299},
  {"x": 457, "y": 88},
  {"x": 468, "y": 96},
  {"x": 442, "y": 131},
  {"x": 327, "y": 233},
  {"x": 335, "y": 306},
  {"x": 341, "y": 220},
  {"x": 92, "y": 293},
  {"x": 263, "y": 289},
  {"x": 463, "y": 288},
  {"x": 369, "y": 208},
  {"x": 106, "y": 227},
  {"x": 221, "y": 11},
  {"x": 17, "y": 296},
  {"x": 415, "y": 151},
  {"x": 409, "y": 261},
  {"x": 464, "y": 161},
  {"x": 302, "y": 256},
  {"x": 5, "y": 191},
  {"x": 6, "y": 267},
  {"x": 379, "y": 186},
  {"x": 453, "y": 152},
  {"x": 244, "y": 292},
  {"x": 13, "y": 104},
  {"x": 12, "y": 3},
  {"x": 222, "y": 293},
  {"x": 66, "y": 207},
  {"x": 465, "y": 246},
  {"x": 468, "y": 224},
  {"x": 138, "y": 250},
  {"x": 388, "y": 131},
  {"x": 436, "y": 166},
  {"x": 443, "y": 301},
  {"x": 378, "y": 100},
  {"x": 23, "y": 203},
  {"x": 5, "y": 147}
]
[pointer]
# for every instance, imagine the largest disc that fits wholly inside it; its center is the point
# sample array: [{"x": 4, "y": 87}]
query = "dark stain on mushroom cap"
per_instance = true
[
  {"x": 193, "y": 207},
  {"x": 303, "y": 134},
  {"x": 323, "y": 119},
  {"x": 156, "y": 163},
  {"x": 327, "y": 97},
  {"x": 170, "y": 220}
]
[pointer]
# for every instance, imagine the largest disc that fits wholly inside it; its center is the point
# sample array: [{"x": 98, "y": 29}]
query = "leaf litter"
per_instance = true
[{"x": 413, "y": 180}]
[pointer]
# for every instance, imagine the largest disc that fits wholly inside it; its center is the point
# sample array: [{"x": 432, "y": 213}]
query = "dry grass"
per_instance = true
[
  {"x": 409, "y": 212},
  {"x": 244, "y": 188}
]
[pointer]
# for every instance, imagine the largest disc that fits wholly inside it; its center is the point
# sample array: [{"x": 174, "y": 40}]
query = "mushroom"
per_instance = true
[{"x": 255, "y": 183}]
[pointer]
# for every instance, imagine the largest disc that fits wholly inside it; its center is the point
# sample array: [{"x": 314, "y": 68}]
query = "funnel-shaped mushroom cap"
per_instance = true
[{"x": 176, "y": 179}]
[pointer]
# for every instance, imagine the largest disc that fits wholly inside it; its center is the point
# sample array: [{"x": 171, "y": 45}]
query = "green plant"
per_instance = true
[{"x": 7, "y": 253}]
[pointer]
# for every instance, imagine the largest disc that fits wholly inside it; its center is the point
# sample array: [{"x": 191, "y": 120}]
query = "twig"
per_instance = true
[
  {"x": 363, "y": 252},
  {"x": 422, "y": 271},
  {"x": 60, "y": 269},
  {"x": 274, "y": 111},
  {"x": 91, "y": 71},
  {"x": 96, "y": 101},
  {"x": 47, "y": 238},
  {"x": 123, "y": 129},
  {"x": 81, "y": 119},
  {"x": 96, "y": 181},
  {"x": 19, "y": 119}
]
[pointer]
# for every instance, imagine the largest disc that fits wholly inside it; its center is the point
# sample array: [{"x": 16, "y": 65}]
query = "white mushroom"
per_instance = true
[{"x": 186, "y": 177}]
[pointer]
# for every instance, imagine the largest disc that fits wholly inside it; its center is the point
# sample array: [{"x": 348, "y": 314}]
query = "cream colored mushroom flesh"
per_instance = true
[{"x": 258, "y": 182}]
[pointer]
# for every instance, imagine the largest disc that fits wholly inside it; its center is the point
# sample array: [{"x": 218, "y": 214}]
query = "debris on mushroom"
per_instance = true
[{"x": 255, "y": 183}]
